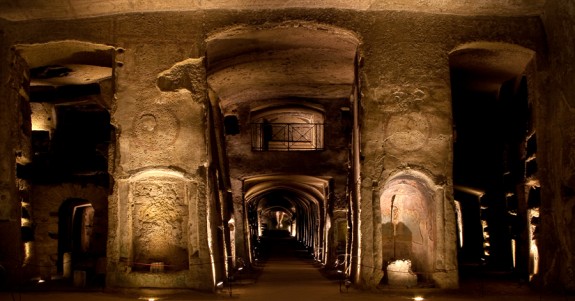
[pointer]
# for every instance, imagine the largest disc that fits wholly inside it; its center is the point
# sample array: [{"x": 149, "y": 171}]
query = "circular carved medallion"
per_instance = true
[
  {"x": 408, "y": 131},
  {"x": 156, "y": 129}
]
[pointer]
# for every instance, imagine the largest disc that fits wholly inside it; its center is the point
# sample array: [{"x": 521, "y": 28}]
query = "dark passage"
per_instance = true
[{"x": 289, "y": 272}]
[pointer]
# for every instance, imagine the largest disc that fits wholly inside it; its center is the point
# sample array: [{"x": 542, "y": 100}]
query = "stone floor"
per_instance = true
[{"x": 288, "y": 274}]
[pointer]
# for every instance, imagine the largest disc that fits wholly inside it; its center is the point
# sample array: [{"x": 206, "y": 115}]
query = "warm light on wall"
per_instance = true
[
  {"x": 459, "y": 222},
  {"x": 260, "y": 230},
  {"x": 27, "y": 252},
  {"x": 149, "y": 298},
  {"x": 513, "y": 250},
  {"x": 211, "y": 245},
  {"x": 533, "y": 250},
  {"x": 28, "y": 245},
  {"x": 399, "y": 273},
  {"x": 42, "y": 116},
  {"x": 232, "y": 229},
  {"x": 486, "y": 244}
]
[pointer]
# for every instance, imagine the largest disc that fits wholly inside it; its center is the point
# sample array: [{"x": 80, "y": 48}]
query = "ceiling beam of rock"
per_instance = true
[
  {"x": 287, "y": 61},
  {"x": 307, "y": 186},
  {"x": 19, "y": 10},
  {"x": 485, "y": 66}
]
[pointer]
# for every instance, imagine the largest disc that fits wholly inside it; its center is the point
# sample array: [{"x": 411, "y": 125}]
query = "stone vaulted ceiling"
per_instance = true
[
  {"x": 18, "y": 10},
  {"x": 484, "y": 67},
  {"x": 287, "y": 61}
]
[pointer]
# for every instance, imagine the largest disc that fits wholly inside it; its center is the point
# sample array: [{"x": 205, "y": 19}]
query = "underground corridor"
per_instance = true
[
  {"x": 299, "y": 134},
  {"x": 305, "y": 152}
]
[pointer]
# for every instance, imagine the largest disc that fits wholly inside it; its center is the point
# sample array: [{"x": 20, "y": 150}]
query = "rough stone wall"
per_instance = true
[
  {"x": 160, "y": 124},
  {"x": 161, "y": 223},
  {"x": 406, "y": 118},
  {"x": 61, "y": 9},
  {"x": 10, "y": 202},
  {"x": 46, "y": 201},
  {"x": 160, "y": 220},
  {"x": 163, "y": 133},
  {"x": 404, "y": 82},
  {"x": 406, "y": 125},
  {"x": 556, "y": 141}
]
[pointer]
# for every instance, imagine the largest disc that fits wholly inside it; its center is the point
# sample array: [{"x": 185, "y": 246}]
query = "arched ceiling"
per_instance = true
[
  {"x": 490, "y": 109},
  {"x": 291, "y": 192},
  {"x": 286, "y": 61},
  {"x": 18, "y": 10},
  {"x": 308, "y": 187},
  {"x": 485, "y": 66}
]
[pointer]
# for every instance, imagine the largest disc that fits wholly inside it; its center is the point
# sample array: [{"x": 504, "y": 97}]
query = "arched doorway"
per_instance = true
[
  {"x": 494, "y": 156},
  {"x": 287, "y": 205},
  {"x": 75, "y": 229}
]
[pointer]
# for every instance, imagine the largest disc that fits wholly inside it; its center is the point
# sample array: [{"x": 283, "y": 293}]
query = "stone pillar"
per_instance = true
[
  {"x": 407, "y": 126},
  {"x": 161, "y": 210},
  {"x": 555, "y": 140},
  {"x": 14, "y": 100}
]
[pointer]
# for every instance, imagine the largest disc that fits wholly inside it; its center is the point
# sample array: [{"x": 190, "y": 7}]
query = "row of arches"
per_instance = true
[
  {"x": 269, "y": 199},
  {"x": 305, "y": 200},
  {"x": 481, "y": 75}
]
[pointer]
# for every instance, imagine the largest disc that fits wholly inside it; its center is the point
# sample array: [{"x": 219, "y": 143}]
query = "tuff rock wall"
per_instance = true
[
  {"x": 557, "y": 141},
  {"x": 161, "y": 124}
]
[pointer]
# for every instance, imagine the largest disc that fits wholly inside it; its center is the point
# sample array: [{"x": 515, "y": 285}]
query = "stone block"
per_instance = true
[{"x": 399, "y": 274}]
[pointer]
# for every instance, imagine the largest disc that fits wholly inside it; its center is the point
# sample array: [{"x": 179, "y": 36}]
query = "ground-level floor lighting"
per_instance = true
[
  {"x": 220, "y": 285},
  {"x": 149, "y": 298}
]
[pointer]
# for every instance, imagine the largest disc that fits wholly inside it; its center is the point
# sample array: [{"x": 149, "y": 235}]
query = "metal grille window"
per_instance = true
[
  {"x": 288, "y": 128},
  {"x": 287, "y": 136}
]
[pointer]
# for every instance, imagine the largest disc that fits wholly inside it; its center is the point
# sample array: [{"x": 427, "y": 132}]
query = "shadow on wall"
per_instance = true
[
  {"x": 77, "y": 249},
  {"x": 407, "y": 225}
]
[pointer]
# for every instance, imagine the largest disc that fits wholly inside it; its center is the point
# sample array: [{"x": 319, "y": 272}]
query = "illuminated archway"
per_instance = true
[
  {"x": 310, "y": 74},
  {"x": 301, "y": 198},
  {"x": 408, "y": 222}
]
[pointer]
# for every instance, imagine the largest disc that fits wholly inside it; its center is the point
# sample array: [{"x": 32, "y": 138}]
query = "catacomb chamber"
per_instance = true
[
  {"x": 374, "y": 134},
  {"x": 495, "y": 157}
]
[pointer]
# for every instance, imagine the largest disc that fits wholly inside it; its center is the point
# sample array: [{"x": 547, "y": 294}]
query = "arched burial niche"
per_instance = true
[
  {"x": 159, "y": 221},
  {"x": 407, "y": 227},
  {"x": 161, "y": 242},
  {"x": 75, "y": 224},
  {"x": 494, "y": 150}
]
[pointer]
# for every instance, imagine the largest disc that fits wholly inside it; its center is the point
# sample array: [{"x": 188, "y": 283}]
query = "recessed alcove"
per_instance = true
[
  {"x": 428, "y": 138},
  {"x": 494, "y": 153},
  {"x": 408, "y": 228}
]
